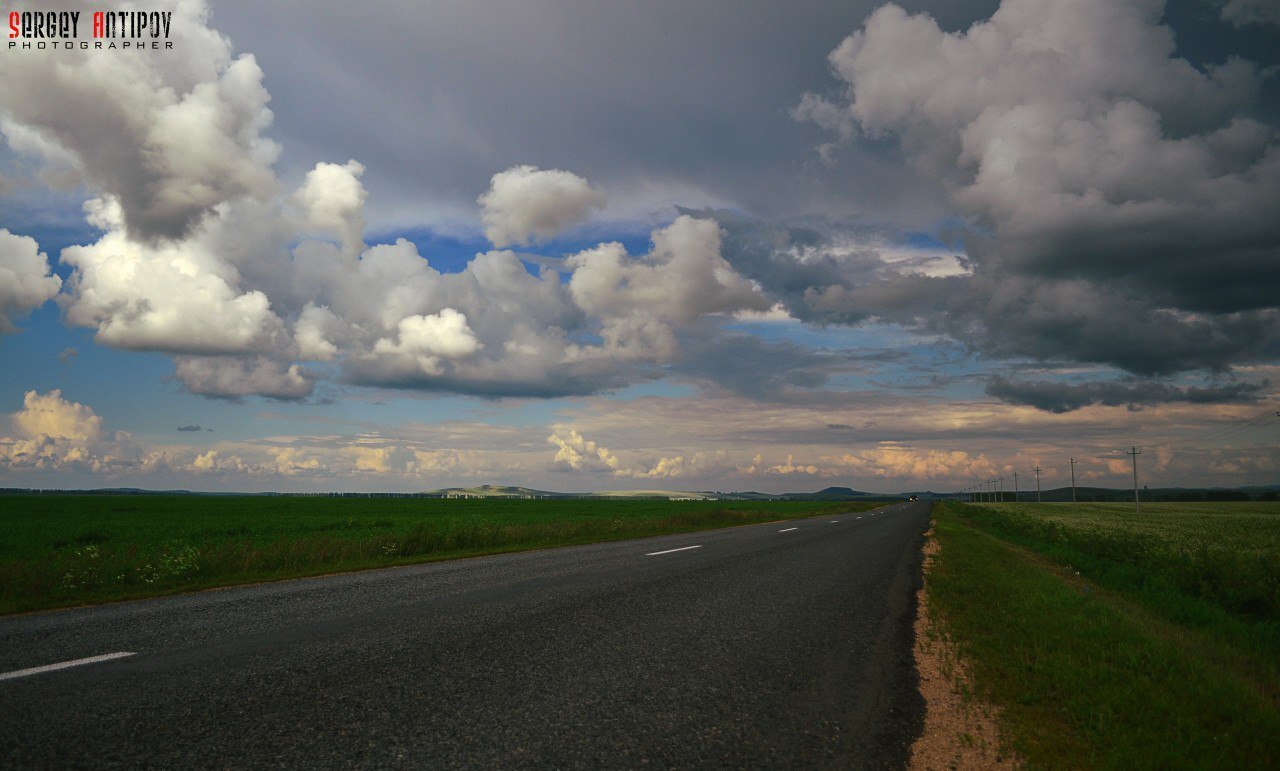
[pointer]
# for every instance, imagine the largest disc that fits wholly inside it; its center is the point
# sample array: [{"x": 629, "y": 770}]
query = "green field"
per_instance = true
[
  {"x": 62, "y": 550},
  {"x": 1112, "y": 639}
]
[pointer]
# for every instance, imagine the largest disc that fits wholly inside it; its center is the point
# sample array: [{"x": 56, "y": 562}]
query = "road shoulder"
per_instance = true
[{"x": 960, "y": 731}]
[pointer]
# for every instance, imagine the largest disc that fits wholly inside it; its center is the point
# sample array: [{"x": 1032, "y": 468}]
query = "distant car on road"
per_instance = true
[{"x": 914, "y": 498}]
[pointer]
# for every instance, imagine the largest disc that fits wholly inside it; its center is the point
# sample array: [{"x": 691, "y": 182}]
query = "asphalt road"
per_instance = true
[{"x": 778, "y": 645}]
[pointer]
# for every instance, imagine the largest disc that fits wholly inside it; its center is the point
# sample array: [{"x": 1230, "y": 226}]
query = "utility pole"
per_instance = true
[
  {"x": 1072, "y": 461},
  {"x": 1134, "y": 452},
  {"x": 1037, "y": 484},
  {"x": 1015, "y": 487},
  {"x": 1001, "y": 499}
]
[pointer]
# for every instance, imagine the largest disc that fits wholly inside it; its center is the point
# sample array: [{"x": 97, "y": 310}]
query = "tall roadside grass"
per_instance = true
[
  {"x": 1111, "y": 640},
  {"x": 58, "y": 551},
  {"x": 1227, "y": 554}
]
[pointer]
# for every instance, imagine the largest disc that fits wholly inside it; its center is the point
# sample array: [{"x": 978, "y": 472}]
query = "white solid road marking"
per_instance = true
[
  {"x": 788, "y": 529},
  {"x": 64, "y": 665},
  {"x": 668, "y": 551}
]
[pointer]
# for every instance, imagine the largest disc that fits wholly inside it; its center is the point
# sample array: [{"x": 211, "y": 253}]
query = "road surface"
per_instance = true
[{"x": 785, "y": 644}]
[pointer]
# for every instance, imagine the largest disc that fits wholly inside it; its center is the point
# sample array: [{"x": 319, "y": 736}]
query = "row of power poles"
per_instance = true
[{"x": 993, "y": 489}]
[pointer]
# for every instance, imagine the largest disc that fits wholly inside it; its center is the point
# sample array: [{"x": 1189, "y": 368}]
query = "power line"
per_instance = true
[
  {"x": 1229, "y": 431},
  {"x": 993, "y": 489}
]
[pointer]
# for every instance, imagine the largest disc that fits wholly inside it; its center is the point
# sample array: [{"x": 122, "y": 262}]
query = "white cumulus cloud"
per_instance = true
[
  {"x": 579, "y": 453},
  {"x": 169, "y": 137},
  {"x": 179, "y": 297},
  {"x": 25, "y": 280},
  {"x": 525, "y": 203},
  {"x": 426, "y": 340},
  {"x": 333, "y": 200},
  {"x": 52, "y": 416},
  {"x": 640, "y": 302}
]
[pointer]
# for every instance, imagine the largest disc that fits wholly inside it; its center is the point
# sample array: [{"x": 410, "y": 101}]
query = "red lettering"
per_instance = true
[
  {"x": 98, "y": 22},
  {"x": 14, "y": 20}
]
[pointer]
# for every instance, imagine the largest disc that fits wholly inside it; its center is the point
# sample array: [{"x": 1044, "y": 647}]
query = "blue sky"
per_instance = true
[{"x": 675, "y": 246}]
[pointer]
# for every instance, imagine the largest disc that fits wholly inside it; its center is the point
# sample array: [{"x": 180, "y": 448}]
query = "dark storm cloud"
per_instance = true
[
  {"x": 1123, "y": 197},
  {"x": 1078, "y": 320},
  {"x": 1207, "y": 314},
  {"x": 1065, "y": 397},
  {"x": 664, "y": 94},
  {"x": 748, "y": 366},
  {"x": 499, "y": 380},
  {"x": 790, "y": 260},
  {"x": 779, "y": 372}
]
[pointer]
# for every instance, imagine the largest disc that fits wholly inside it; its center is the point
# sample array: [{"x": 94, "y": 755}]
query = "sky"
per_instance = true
[{"x": 723, "y": 245}]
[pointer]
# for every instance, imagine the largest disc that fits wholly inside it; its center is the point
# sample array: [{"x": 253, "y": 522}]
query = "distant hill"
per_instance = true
[
  {"x": 835, "y": 494},
  {"x": 493, "y": 491}
]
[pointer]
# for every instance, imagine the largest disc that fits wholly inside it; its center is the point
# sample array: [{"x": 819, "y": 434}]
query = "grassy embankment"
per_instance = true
[
  {"x": 58, "y": 551},
  {"x": 1114, "y": 640}
]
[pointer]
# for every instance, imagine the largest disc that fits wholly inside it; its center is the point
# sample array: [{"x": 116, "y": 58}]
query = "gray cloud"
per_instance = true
[
  {"x": 191, "y": 428},
  {"x": 1066, "y": 397},
  {"x": 790, "y": 260},
  {"x": 662, "y": 103},
  {"x": 1125, "y": 197},
  {"x": 234, "y": 377},
  {"x": 1245, "y": 12},
  {"x": 1120, "y": 198},
  {"x": 1019, "y": 316},
  {"x": 169, "y": 143},
  {"x": 769, "y": 371},
  {"x": 243, "y": 281}
]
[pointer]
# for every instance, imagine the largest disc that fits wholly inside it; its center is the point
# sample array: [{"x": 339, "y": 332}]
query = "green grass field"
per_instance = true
[
  {"x": 58, "y": 551},
  {"x": 1113, "y": 640}
]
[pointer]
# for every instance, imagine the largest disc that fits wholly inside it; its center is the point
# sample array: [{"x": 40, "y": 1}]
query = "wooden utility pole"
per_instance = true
[
  {"x": 1134, "y": 452},
  {"x": 1072, "y": 461}
]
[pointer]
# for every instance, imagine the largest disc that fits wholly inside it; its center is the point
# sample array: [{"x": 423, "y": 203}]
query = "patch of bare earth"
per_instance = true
[{"x": 960, "y": 732}]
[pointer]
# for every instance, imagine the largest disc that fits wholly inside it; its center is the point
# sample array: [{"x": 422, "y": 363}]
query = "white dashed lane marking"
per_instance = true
[
  {"x": 669, "y": 551},
  {"x": 64, "y": 665}
]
